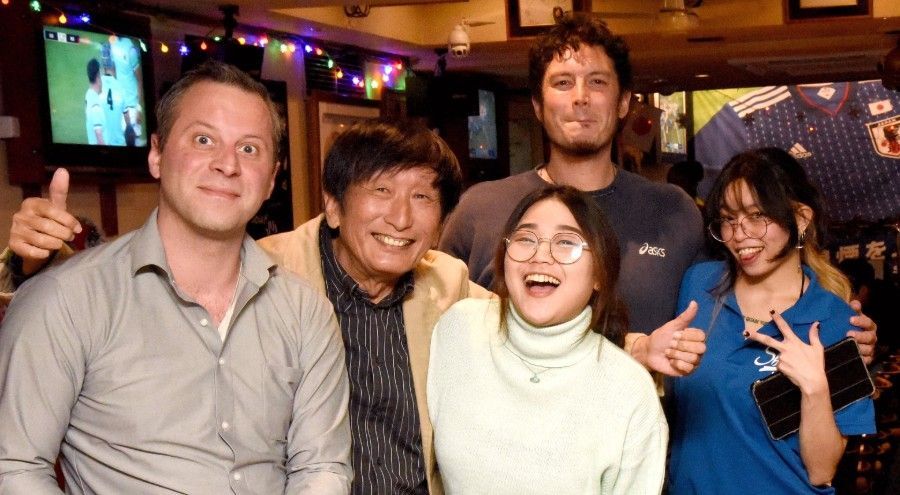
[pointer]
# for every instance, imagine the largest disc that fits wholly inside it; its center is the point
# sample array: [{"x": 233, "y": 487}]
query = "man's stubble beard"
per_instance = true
[{"x": 582, "y": 149}]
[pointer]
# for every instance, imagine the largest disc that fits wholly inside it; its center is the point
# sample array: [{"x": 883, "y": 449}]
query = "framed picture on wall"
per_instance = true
[
  {"x": 327, "y": 116},
  {"x": 673, "y": 135},
  {"x": 798, "y": 10},
  {"x": 532, "y": 17},
  {"x": 483, "y": 128}
]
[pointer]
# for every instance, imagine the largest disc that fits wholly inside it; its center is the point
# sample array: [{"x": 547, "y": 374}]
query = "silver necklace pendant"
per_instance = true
[{"x": 535, "y": 379}]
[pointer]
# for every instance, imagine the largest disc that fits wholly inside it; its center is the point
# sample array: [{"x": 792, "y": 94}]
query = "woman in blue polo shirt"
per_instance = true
[{"x": 774, "y": 303}]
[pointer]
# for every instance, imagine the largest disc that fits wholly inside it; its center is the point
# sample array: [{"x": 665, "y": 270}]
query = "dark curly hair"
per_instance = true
[{"x": 571, "y": 32}]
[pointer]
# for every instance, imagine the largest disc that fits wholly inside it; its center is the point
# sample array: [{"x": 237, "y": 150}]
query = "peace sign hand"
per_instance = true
[{"x": 803, "y": 364}]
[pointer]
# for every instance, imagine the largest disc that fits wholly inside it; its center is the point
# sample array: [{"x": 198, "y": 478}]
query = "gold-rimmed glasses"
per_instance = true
[
  {"x": 565, "y": 247},
  {"x": 754, "y": 226}
]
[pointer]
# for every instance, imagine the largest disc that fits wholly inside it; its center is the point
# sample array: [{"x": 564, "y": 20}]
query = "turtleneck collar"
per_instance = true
[{"x": 562, "y": 344}]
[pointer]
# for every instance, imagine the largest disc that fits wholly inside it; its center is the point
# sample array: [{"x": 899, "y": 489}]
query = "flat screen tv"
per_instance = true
[
  {"x": 483, "y": 128},
  {"x": 99, "y": 95}
]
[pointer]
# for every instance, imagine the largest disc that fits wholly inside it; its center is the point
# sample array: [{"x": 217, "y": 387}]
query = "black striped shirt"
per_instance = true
[{"x": 384, "y": 422}]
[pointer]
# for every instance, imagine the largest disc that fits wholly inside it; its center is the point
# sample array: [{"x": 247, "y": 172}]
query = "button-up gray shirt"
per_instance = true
[{"x": 106, "y": 355}]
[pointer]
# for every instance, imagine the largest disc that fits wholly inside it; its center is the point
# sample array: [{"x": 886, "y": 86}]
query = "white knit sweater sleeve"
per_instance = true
[
  {"x": 445, "y": 338},
  {"x": 643, "y": 462}
]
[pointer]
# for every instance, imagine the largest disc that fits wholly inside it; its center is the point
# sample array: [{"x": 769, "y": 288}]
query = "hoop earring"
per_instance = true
[{"x": 800, "y": 239}]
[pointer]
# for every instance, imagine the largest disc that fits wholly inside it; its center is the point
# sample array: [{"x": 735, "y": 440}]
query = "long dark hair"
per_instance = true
[
  {"x": 610, "y": 317},
  {"x": 779, "y": 185}
]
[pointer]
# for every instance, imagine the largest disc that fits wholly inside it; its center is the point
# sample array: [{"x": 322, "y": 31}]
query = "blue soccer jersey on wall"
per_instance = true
[{"x": 846, "y": 136}]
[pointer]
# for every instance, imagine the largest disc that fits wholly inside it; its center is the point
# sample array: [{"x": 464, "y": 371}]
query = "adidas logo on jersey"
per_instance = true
[{"x": 798, "y": 151}]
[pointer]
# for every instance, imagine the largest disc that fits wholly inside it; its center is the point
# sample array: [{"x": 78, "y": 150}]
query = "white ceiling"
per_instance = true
[{"x": 738, "y": 42}]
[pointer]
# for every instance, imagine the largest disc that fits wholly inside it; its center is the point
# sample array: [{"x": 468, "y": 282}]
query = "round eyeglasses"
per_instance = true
[
  {"x": 754, "y": 227},
  {"x": 565, "y": 247}
]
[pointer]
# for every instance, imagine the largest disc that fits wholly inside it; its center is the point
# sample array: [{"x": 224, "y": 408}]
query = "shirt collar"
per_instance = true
[
  {"x": 843, "y": 92},
  {"x": 803, "y": 312},
  {"x": 335, "y": 273},
  {"x": 147, "y": 251}
]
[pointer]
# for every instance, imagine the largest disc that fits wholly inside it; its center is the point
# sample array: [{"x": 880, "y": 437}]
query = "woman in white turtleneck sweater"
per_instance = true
[{"x": 528, "y": 392}]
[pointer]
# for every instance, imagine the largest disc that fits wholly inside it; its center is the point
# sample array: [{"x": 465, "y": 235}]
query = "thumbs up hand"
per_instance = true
[
  {"x": 673, "y": 349},
  {"x": 42, "y": 225}
]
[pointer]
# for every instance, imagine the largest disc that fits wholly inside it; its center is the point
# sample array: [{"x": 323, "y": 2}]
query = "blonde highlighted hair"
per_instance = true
[{"x": 818, "y": 260}]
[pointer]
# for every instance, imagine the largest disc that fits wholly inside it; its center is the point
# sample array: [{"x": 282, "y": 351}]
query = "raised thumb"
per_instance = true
[
  {"x": 688, "y": 315},
  {"x": 59, "y": 188}
]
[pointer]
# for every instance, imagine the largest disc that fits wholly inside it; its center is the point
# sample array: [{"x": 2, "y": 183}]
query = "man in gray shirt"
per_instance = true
[{"x": 179, "y": 358}]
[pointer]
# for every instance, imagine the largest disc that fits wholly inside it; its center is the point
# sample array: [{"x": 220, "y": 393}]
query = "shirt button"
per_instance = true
[
  {"x": 379, "y": 461},
  {"x": 236, "y": 476},
  {"x": 225, "y": 425},
  {"x": 221, "y": 361},
  {"x": 204, "y": 322}
]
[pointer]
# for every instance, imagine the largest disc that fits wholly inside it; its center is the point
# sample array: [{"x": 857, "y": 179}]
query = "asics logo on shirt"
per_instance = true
[
  {"x": 767, "y": 364},
  {"x": 798, "y": 151},
  {"x": 646, "y": 248}
]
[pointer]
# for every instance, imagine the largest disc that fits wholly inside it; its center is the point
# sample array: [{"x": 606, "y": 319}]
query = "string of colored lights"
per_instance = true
[{"x": 286, "y": 45}]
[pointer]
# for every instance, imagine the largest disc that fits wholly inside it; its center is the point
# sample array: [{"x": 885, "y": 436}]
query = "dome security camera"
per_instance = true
[{"x": 459, "y": 43}]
